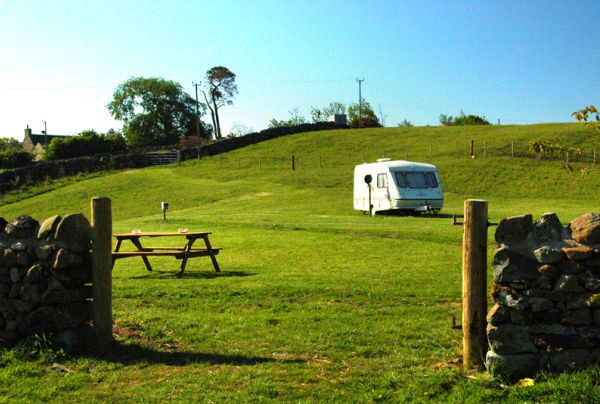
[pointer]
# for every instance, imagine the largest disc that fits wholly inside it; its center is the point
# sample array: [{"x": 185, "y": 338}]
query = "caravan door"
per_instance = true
[{"x": 382, "y": 199}]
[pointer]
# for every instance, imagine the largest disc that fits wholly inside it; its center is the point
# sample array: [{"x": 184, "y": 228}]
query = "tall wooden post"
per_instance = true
[
  {"x": 102, "y": 272},
  {"x": 293, "y": 163},
  {"x": 472, "y": 149},
  {"x": 474, "y": 284}
]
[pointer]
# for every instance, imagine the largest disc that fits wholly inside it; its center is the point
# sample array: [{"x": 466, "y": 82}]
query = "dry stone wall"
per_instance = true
[
  {"x": 45, "y": 277},
  {"x": 546, "y": 292}
]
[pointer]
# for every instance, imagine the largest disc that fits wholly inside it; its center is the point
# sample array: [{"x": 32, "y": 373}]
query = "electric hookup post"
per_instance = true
[
  {"x": 368, "y": 180},
  {"x": 164, "y": 206}
]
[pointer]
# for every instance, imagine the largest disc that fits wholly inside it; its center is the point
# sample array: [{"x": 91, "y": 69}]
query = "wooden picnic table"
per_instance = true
[{"x": 183, "y": 252}]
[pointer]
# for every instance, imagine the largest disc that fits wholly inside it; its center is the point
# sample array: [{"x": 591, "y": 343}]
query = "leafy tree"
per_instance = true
[
  {"x": 335, "y": 108},
  {"x": 86, "y": 143},
  {"x": 321, "y": 115},
  {"x": 295, "y": 119},
  {"x": 274, "y": 123},
  {"x": 462, "y": 119},
  {"x": 9, "y": 143},
  {"x": 362, "y": 116},
  {"x": 405, "y": 124},
  {"x": 237, "y": 130},
  {"x": 587, "y": 115},
  {"x": 154, "y": 111},
  {"x": 221, "y": 88},
  {"x": 316, "y": 115}
]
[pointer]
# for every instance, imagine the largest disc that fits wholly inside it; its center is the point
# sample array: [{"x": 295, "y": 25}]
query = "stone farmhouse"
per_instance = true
[{"x": 35, "y": 143}]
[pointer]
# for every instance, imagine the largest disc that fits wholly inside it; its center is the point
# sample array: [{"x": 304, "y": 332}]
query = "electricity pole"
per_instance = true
[
  {"x": 360, "y": 101},
  {"x": 197, "y": 121},
  {"x": 197, "y": 113},
  {"x": 45, "y": 135}
]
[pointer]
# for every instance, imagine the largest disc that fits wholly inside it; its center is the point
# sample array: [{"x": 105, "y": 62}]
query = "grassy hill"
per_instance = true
[{"x": 316, "y": 302}]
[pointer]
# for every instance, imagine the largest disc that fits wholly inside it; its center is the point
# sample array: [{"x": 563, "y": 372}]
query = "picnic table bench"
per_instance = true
[{"x": 182, "y": 252}]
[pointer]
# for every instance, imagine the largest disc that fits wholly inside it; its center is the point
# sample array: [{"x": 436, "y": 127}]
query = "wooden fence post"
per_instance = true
[
  {"x": 472, "y": 149},
  {"x": 474, "y": 282},
  {"x": 293, "y": 163},
  {"x": 102, "y": 272},
  {"x": 512, "y": 149},
  {"x": 178, "y": 158}
]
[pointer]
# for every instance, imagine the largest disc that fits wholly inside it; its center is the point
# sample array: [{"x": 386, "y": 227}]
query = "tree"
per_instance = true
[
  {"x": 295, "y": 119},
  {"x": 221, "y": 88},
  {"x": 238, "y": 129},
  {"x": 9, "y": 143},
  {"x": 154, "y": 111},
  {"x": 585, "y": 115},
  {"x": 362, "y": 116},
  {"x": 405, "y": 124},
  {"x": 462, "y": 119},
  {"x": 321, "y": 115}
]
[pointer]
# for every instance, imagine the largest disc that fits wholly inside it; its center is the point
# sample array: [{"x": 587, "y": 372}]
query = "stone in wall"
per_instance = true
[
  {"x": 546, "y": 292},
  {"x": 45, "y": 276}
]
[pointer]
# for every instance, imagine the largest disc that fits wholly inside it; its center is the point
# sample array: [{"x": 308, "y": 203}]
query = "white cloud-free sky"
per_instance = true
[{"x": 519, "y": 62}]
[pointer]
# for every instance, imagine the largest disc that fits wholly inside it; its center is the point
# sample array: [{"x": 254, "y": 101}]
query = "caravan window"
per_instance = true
[
  {"x": 431, "y": 181},
  {"x": 381, "y": 181},
  {"x": 416, "y": 180},
  {"x": 400, "y": 180}
]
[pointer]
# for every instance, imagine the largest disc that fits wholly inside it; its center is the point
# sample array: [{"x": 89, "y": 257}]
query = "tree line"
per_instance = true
[{"x": 359, "y": 115}]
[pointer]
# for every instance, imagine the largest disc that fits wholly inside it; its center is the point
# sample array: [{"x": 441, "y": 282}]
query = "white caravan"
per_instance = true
[{"x": 397, "y": 185}]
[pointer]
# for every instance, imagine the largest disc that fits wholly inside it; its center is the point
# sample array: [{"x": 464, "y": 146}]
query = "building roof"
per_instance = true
[{"x": 41, "y": 139}]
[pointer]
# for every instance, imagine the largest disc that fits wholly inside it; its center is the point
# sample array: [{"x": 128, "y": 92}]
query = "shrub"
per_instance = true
[
  {"x": 87, "y": 143},
  {"x": 462, "y": 119},
  {"x": 15, "y": 158}
]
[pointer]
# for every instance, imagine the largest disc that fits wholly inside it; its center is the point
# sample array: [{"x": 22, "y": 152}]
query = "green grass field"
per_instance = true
[{"x": 315, "y": 301}]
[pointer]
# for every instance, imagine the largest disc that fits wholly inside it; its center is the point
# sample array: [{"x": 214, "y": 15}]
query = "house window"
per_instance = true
[{"x": 382, "y": 181}]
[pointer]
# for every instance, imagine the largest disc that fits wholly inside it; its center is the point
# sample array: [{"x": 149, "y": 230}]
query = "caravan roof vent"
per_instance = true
[{"x": 381, "y": 160}]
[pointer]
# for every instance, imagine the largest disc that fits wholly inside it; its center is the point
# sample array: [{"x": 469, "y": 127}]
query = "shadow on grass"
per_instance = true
[
  {"x": 160, "y": 274},
  {"x": 418, "y": 215},
  {"x": 130, "y": 354}
]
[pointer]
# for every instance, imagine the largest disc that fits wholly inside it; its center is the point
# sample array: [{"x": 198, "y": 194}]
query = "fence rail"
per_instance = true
[{"x": 462, "y": 150}]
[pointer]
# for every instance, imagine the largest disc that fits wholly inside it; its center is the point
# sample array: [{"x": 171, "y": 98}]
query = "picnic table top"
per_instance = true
[{"x": 161, "y": 234}]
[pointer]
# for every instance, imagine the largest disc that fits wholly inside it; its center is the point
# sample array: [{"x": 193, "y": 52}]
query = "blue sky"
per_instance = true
[{"x": 519, "y": 62}]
